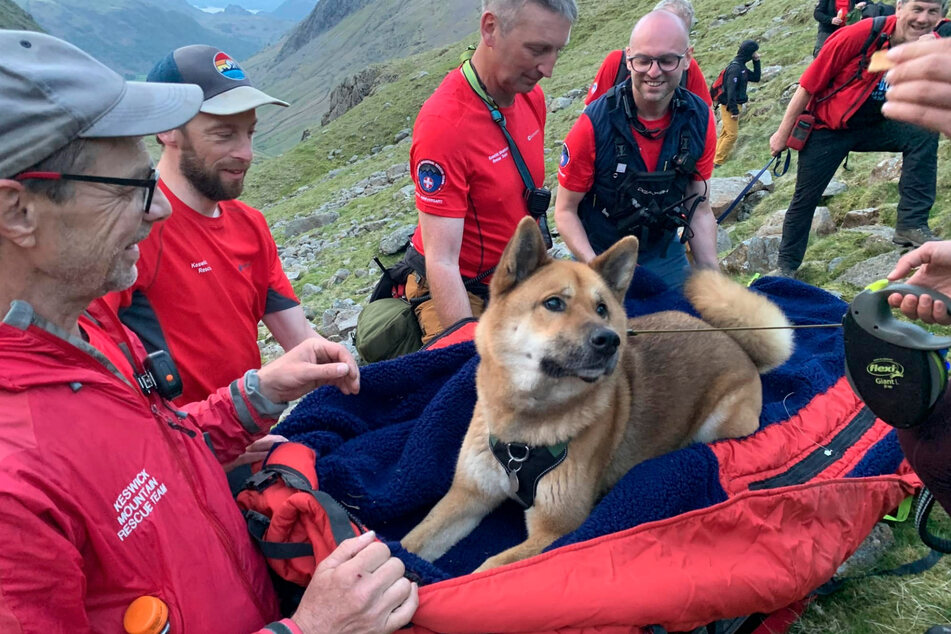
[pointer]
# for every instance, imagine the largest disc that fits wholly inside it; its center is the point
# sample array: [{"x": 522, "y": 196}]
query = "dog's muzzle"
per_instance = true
[{"x": 595, "y": 357}]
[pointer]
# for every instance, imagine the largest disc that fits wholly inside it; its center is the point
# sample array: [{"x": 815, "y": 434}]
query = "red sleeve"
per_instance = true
[
  {"x": 277, "y": 278},
  {"x": 842, "y": 47},
  {"x": 576, "y": 168},
  {"x": 438, "y": 165},
  {"x": 705, "y": 164},
  {"x": 605, "y": 77},
  {"x": 697, "y": 83}
]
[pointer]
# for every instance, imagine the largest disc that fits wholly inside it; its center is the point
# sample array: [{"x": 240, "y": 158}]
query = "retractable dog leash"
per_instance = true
[
  {"x": 896, "y": 367},
  {"x": 776, "y": 172}
]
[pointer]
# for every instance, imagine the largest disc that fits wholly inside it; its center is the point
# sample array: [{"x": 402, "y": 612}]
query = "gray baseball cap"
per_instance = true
[
  {"x": 226, "y": 86},
  {"x": 52, "y": 93}
]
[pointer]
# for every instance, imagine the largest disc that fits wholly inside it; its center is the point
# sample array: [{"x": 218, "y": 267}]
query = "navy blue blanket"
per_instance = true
[{"x": 389, "y": 452}]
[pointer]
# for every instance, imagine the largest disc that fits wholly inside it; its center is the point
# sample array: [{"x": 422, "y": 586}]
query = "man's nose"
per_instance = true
[
  {"x": 160, "y": 209},
  {"x": 243, "y": 149},
  {"x": 547, "y": 65}
]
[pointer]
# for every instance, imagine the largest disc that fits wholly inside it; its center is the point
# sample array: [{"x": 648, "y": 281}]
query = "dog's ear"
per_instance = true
[
  {"x": 616, "y": 265},
  {"x": 524, "y": 254}
]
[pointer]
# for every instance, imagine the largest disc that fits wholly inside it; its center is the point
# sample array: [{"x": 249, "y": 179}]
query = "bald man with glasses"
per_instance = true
[{"x": 638, "y": 160}]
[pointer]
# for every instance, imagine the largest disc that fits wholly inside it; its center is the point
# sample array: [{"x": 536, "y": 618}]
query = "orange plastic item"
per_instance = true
[
  {"x": 146, "y": 615},
  {"x": 841, "y": 14}
]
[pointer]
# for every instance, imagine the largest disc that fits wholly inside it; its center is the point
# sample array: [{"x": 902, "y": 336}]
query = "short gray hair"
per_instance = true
[
  {"x": 942, "y": 3},
  {"x": 75, "y": 156},
  {"x": 683, "y": 8},
  {"x": 506, "y": 10}
]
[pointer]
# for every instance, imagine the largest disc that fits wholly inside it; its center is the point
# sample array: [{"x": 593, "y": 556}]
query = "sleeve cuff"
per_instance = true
[
  {"x": 284, "y": 626},
  {"x": 250, "y": 397}
]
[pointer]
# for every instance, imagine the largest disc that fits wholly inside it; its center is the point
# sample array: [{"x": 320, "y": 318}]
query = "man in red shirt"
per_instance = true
[
  {"x": 211, "y": 272},
  {"x": 109, "y": 493},
  {"x": 638, "y": 160},
  {"x": 469, "y": 192},
  {"x": 846, "y": 100},
  {"x": 614, "y": 67}
]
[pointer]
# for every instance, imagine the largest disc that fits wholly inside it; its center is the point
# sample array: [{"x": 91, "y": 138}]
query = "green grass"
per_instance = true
[{"x": 786, "y": 33}]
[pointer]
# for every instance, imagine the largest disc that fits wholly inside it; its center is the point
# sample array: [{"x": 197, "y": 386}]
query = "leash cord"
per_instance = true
[{"x": 632, "y": 332}]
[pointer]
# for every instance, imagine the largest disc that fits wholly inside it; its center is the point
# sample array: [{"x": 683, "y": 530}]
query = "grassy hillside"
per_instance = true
[
  {"x": 344, "y": 154},
  {"x": 13, "y": 17}
]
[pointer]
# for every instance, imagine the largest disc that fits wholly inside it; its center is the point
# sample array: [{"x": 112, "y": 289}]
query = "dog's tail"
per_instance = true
[{"x": 723, "y": 304}]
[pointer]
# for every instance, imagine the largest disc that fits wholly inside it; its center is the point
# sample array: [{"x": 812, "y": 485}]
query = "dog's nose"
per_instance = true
[{"x": 604, "y": 340}]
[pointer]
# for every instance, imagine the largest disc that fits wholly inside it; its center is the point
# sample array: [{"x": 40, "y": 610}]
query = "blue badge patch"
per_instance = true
[
  {"x": 430, "y": 176},
  {"x": 565, "y": 156}
]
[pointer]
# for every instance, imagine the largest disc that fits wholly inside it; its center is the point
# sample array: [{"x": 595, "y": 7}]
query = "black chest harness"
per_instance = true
[
  {"x": 650, "y": 205},
  {"x": 525, "y": 465}
]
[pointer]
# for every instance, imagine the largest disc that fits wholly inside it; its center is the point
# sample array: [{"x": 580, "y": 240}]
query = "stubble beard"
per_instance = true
[{"x": 206, "y": 181}]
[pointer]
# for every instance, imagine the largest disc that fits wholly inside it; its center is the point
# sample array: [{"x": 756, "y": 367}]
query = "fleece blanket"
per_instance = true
[{"x": 389, "y": 453}]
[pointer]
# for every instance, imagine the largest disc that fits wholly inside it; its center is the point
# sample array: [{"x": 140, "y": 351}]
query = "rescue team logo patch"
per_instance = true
[
  {"x": 431, "y": 176},
  {"x": 565, "y": 156},
  {"x": 228, "y": 67}
]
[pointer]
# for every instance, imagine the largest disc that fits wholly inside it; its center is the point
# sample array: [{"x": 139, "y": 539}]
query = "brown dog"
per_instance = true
[{"x": 568, "y": 402}]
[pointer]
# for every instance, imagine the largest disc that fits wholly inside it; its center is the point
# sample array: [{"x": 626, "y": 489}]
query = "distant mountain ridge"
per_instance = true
[
  {"x": 13, "y": 17},
  {"x": 131, "y": 35},
  {"x": 336, "y": 41}
]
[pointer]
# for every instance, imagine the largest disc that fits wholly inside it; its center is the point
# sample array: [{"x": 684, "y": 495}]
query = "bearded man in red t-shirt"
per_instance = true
[
  {"x": 469, "y": 190},
  {"x": 211, "y": 272}
]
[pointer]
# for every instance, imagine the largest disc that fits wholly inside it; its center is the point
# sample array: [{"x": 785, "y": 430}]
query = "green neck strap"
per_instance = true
[{"x": 476, "y": 84}]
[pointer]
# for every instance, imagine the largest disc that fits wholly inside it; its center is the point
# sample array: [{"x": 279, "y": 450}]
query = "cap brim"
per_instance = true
[
  {"x": 147, "y": 108},
  {"x": 239, "y": 99}
]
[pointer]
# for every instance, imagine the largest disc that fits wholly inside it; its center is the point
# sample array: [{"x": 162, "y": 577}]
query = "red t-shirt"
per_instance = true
[
  {"x": 604, "y": 80},
  {"x": 109, "y": 348},
  {"x": 462, "y": 167},
  {"x": 835, "y": 66},
  {"x": 576, "y": 171},
  {"x": 203, "y": 285}
]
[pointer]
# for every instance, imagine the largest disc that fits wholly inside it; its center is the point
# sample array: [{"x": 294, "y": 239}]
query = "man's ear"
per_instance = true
[
  {"x": 17, "y": 217},
  {"x": 489, "y": 28},
  {"x": 169, "y": 138},
  {"x": 689, "y": 54}
]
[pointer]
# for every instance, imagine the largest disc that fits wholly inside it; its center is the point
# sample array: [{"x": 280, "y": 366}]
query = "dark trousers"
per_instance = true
[{"x": 826, "y": 149}]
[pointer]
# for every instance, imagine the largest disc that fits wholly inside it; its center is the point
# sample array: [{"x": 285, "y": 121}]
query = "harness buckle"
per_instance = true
[{"x": 515, "y": 462}]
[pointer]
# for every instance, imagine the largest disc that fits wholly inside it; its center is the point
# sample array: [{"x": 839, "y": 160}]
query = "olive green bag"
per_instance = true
[{"x": 387, "y": 328}]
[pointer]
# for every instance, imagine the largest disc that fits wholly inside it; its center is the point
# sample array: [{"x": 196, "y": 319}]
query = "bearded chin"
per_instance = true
[{"x": 205, "y": 181}]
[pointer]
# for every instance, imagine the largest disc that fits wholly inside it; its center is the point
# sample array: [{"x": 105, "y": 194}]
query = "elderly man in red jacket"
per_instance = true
[{"x": 108, "y": 492}]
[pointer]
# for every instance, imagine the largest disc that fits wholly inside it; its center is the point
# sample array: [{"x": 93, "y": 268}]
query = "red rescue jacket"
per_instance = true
[{"x": 108, "y": 494}]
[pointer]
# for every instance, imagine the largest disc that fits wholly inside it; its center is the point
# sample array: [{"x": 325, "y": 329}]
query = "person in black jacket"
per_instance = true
[
  {"x": 830, "y": 18},
  {"x": 735, "y": 78}
]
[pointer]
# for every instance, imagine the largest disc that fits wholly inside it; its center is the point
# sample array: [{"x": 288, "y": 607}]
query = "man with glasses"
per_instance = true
[
  {"x": 614, "y": 68},
  {"x": 470, "y": 192},
  {"x": 638, "y": 159},
  {"x": 109, "y": 493},
  {"x": 211, "y": 272},
  {"x": 846, "y": 101}
]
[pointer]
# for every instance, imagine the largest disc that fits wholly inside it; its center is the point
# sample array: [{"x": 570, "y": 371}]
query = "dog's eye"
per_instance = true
[
  {"x": 602, "y": 310},
  {"x": 554, "y": 304}
]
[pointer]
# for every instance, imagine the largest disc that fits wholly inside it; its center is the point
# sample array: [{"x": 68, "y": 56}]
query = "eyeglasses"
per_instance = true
[
  {"x": 147, "y": 183},
  {"x": 666, "y": 63}
]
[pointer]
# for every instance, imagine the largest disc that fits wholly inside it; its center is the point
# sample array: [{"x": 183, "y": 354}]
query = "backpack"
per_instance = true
[
  {"x": 387, "y": 327},
  {"x": 716, "y": 88},
  {"x": 295, "y": 525}
]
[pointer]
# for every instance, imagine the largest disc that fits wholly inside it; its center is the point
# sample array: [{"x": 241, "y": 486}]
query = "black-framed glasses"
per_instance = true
[
  {"x": 666, "y": 63},
  {"x": 147, "y": 183}
]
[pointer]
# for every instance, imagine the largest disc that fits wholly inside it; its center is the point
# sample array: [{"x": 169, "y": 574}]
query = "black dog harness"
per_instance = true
[{"x": 525, "y": 465}]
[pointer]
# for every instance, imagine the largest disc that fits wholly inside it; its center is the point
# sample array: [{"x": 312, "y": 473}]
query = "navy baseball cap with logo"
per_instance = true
[{"x": 225, "y": 84}]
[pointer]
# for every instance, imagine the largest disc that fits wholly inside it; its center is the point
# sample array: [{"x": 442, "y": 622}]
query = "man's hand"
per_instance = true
[
  {"x": 359, "y": 588},
  {"x": 305, "y": 367},
  {"x": 777, "y": 143},
  {"x": 920, "y": 84},
  {"x": 837, "y": 21},
  {"x": 933, "y": 261},
  {"x": 756, "y": 55},
  {"x": 256, "y": 451}
]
